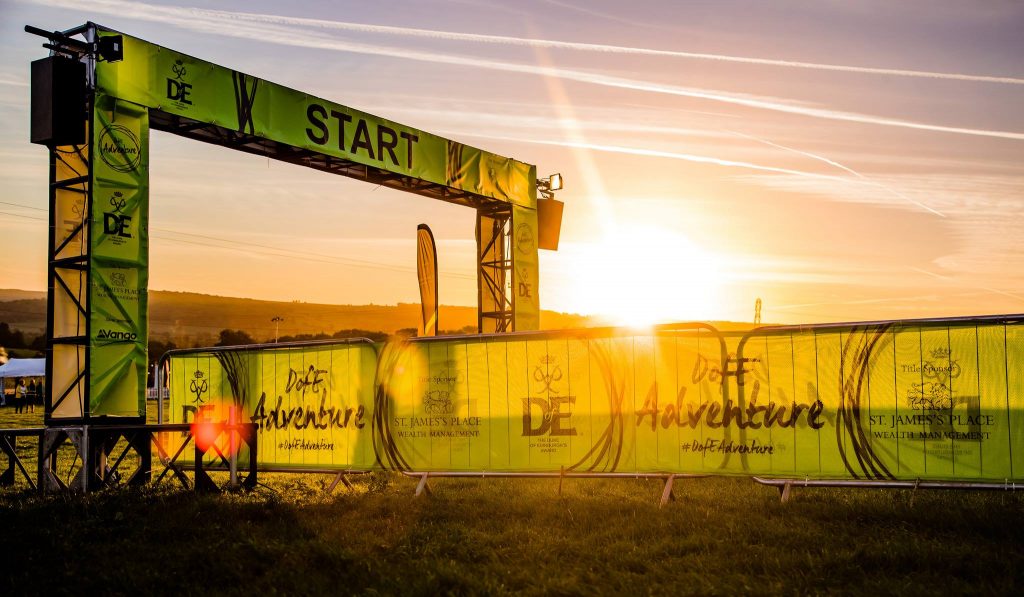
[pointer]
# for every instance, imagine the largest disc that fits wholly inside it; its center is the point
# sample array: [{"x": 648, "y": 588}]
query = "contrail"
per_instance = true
[
  {"x": 836, "y": 164},
  {"x": 13, "y": 82},
  {"x": 688, "y": 157},
  {"x": 869, "y": 301},
  {"x": 593, "y": 47},
  {"x": 609, "y": 16},
  {"x": 985, "y": 288},
  {"x": 187, "y": 18},
  {"x": 286, "y": 253},
  {"x": 720, "y": 162}
]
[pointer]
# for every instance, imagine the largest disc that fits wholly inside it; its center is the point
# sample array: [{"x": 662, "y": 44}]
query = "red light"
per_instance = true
[{"x": 205, "y": 434}]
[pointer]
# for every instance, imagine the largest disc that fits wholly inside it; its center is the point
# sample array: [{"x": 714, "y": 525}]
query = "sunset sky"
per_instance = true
[{"x": 840, "y": 160}]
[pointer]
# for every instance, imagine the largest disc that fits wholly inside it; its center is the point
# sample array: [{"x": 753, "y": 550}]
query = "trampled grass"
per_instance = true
[{"x": 492, "y": 536}]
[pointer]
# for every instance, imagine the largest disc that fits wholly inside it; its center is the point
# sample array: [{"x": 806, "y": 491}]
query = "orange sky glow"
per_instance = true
[{"x": 839, "y": 162}]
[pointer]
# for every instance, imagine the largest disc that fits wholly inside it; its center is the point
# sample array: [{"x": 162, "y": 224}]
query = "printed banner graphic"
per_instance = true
[
  {"x": 895, "y": 401},
  {"x": 179, "y": 84},
  {"x": 313, "y": 405},
  {"x": 155, "y": 81},
  {"x": 118, "y": 278},
  {"x": 426, "y": 274},
  {"x": 526, "y": 269}
]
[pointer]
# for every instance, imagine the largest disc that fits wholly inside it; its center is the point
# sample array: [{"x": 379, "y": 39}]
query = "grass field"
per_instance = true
[{"x": 722, "y": 536}]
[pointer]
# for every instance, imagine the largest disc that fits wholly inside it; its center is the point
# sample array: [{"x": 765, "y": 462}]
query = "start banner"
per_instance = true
[
  {"x": 935, "y": 401},
  {"x": 184, "y": 86}
]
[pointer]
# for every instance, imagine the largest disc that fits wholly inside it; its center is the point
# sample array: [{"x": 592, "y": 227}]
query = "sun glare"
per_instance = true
[{"x": 642, "y": 275}]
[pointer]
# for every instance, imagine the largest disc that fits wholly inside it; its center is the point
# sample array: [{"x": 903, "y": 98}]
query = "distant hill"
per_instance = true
[
  {"x": 192, "y": 319},
  {"x": 10, "y": 294},
  {"x": 188, "y": 318}
]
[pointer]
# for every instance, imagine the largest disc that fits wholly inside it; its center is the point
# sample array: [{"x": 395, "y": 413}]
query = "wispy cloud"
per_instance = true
[
  {"x": 1016, "y": 296},
  {"x": 844, "y": 168},
  {"x": 686, "y": 157},
  {"x": 225, "y": 23},
  {"x": 871, "y": 301},
  {"x": 593, "y": 47},
  {"x": 590, "y": 121},
  {"x": 956, "y": 195},
  {"x": 11, "y": 81},
  {"x": 975, "y": 248}
]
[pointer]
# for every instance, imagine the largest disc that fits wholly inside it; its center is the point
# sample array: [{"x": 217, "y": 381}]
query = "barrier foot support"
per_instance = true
[
  {"x": 341, "y": 478},
  {"x": 422, "y": 486},
  {"x": 667, "y": 494},
  {"x": 561, "y": 477},
  {"x": 784, "y": 492}
]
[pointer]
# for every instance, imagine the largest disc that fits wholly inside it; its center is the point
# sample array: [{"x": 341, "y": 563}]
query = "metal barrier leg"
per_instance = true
[
  {"x": 49, "y": 445},
  {"x": 143, "y": 446},
  {"x": 667, "y": 494},
  {"x": 784, "y": 492},
  {"x": 422, "y": 486},
  {"x": 203, "y": 483},
  {"x": 170, "y": 462},
  {"x": 340, "y": 478},
  {"x": 9, "y": 446}
]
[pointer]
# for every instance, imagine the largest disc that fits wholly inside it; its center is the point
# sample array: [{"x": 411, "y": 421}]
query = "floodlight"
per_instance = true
[{"x": 555, "y": 182}]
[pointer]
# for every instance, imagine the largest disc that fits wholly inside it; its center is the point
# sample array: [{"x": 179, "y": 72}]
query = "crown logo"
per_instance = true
[
  {"x": 198, "y": 375},
  {"x": 941, "y": 353}
]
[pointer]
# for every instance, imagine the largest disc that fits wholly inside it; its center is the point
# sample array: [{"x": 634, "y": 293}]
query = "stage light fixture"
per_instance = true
[{"x": 547, "y": 186}]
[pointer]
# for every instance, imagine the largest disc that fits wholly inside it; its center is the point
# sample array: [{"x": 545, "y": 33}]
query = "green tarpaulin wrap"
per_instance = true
[{"x": 890, "y": 401}]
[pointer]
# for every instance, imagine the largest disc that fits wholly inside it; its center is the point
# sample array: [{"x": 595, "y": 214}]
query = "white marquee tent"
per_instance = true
[{"x": 23, "y": 368}]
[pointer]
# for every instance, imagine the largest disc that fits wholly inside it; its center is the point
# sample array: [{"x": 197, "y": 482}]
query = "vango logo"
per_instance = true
[{"x": 112, "y": 335}]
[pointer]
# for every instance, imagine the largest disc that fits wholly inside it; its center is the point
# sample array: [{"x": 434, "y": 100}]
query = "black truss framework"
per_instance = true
[
  {"x": 68, "y": 276},
  {"x": 68, "y": 268},
  {"x": 101, "y": 450},
  {"x": 232, "y": 139},
  {"x": 494, "y": 272},
  {"x": 491, "y": 275}
]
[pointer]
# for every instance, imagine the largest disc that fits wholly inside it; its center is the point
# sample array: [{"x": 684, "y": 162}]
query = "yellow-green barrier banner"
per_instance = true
[
  {"x": 313, "y": 405},
  {"x": 118, "y": 268},
  {"x": 938, "y": 401},
  {"x": 181, "y": 85},
  {"x": 539, "y": 402},
  {"x": 930, "y": 401}
]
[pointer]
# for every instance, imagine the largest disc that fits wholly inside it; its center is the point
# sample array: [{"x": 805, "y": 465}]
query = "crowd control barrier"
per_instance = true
[{"x": 923, "y": 402}]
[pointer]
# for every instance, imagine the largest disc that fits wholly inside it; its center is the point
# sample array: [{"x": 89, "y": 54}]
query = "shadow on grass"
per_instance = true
[{"x": 723, "y": 536}]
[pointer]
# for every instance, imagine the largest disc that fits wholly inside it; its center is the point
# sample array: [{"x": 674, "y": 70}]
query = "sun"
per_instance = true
[{"x": 638, "y": 275}]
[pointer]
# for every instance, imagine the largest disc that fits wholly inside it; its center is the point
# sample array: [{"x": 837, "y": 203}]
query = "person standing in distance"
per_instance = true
[{"x": 20, "y": 395}]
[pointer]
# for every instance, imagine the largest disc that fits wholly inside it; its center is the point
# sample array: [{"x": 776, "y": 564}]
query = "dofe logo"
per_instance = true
[
  {"x": 177, "y": 89},
  {"x": 547, "y": 373},
  {"x": 551, "y": 416},
  {"x": 114, "y": 222}
]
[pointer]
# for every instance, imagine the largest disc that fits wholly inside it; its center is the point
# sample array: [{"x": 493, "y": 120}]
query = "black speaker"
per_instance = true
[{"x": 58, "y": 101}]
